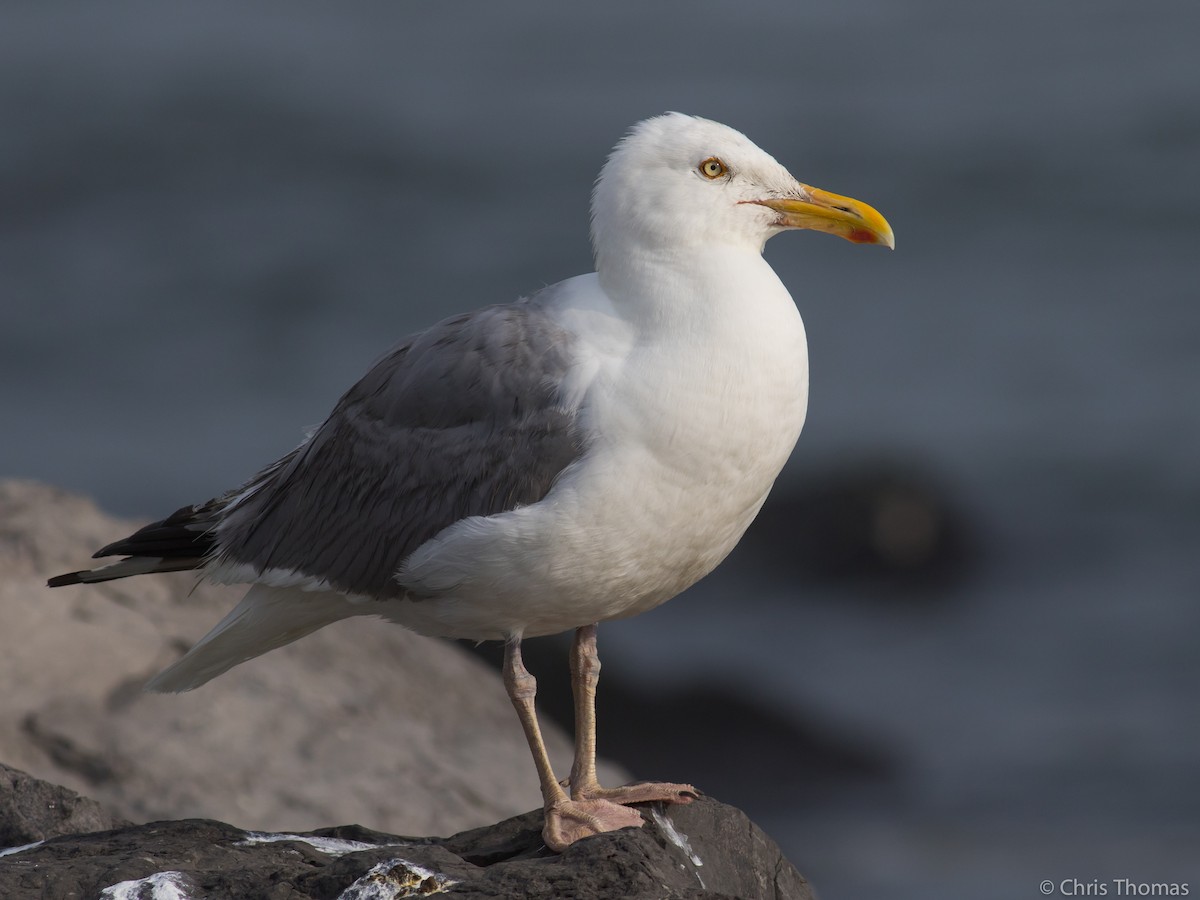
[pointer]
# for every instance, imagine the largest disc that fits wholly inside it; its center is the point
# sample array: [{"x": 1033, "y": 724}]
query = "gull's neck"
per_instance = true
[{"x": 684, "y": 290}]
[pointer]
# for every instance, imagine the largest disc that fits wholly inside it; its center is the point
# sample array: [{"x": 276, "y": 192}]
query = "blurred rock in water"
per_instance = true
[{"x": 890, "y": 524}]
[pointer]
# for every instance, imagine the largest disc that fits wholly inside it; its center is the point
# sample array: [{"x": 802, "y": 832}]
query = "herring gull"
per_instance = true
[{"x": 581, "y": 455}]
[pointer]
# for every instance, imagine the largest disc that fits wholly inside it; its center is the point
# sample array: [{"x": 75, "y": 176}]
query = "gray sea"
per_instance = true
[{"x": 213, "y": 216}]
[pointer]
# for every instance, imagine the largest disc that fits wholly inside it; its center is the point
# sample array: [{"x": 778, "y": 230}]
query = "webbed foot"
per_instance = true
[{"x": 569, "y": 820}]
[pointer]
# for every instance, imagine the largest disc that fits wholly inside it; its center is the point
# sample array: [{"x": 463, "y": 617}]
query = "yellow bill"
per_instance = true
[{"x": 820, "y": 210}]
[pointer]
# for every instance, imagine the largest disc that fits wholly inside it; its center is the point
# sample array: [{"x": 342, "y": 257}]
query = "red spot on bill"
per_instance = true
[{"x": 863, "y": 236}]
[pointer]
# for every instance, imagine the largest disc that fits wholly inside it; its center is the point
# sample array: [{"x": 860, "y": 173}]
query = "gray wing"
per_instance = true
[{"x": 460, "y": 420}]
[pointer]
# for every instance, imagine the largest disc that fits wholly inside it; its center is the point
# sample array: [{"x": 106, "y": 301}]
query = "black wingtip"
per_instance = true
[
  {"x": 184, "y": 534},
  {"x": 64, "y": 580}
]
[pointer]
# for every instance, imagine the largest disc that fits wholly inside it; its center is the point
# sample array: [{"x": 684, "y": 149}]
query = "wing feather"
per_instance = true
[{"x": 461, "y": 420}]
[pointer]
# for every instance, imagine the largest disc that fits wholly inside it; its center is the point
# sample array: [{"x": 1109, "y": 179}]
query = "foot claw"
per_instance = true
[{"x": 643, "y": 792}]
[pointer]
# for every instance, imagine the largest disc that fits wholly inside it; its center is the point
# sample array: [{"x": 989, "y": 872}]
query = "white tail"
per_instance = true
[{"x": 267, "y": 617}]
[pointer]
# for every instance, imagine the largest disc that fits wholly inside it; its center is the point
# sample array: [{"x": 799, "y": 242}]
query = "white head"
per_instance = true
[{"x": 676, "y": 182}]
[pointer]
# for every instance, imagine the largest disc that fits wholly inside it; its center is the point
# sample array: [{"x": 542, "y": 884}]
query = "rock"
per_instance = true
[
  {"x": 705, "y": 849},
  {"x": 362, "y": 721},
  {"x": 880, "y": 522},
  {"x": 34, "y": 810}
]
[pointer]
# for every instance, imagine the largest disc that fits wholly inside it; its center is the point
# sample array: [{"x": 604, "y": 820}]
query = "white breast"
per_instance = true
[{"x": 693, "y": 406}]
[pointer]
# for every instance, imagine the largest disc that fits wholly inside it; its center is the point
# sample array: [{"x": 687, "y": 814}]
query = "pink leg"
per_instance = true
[
  {"x": 567, "y": 819},
  {"x": 585, "y": 673}
]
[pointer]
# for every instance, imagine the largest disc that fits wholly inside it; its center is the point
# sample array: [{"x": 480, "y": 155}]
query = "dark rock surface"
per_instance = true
[
  {"x": 705, "y": 849},
  {"x": 34, "y": 810}
]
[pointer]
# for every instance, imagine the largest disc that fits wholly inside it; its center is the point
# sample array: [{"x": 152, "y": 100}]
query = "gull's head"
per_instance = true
[{"x": 677, "y": 182}]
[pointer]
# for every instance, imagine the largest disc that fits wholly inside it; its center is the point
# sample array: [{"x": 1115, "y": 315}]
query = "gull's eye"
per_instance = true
[{"x": 713, "y": 168}]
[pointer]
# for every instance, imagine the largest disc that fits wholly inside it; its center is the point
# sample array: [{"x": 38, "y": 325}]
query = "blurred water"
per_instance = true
[{"x": 213, "y": 218}]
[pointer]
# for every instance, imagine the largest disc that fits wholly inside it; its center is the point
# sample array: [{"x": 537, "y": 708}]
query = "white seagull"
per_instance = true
[{"x": 580, "y": 455}]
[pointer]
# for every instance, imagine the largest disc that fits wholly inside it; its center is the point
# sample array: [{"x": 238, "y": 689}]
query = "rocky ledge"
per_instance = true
[{"x": 703, "y": 850}]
